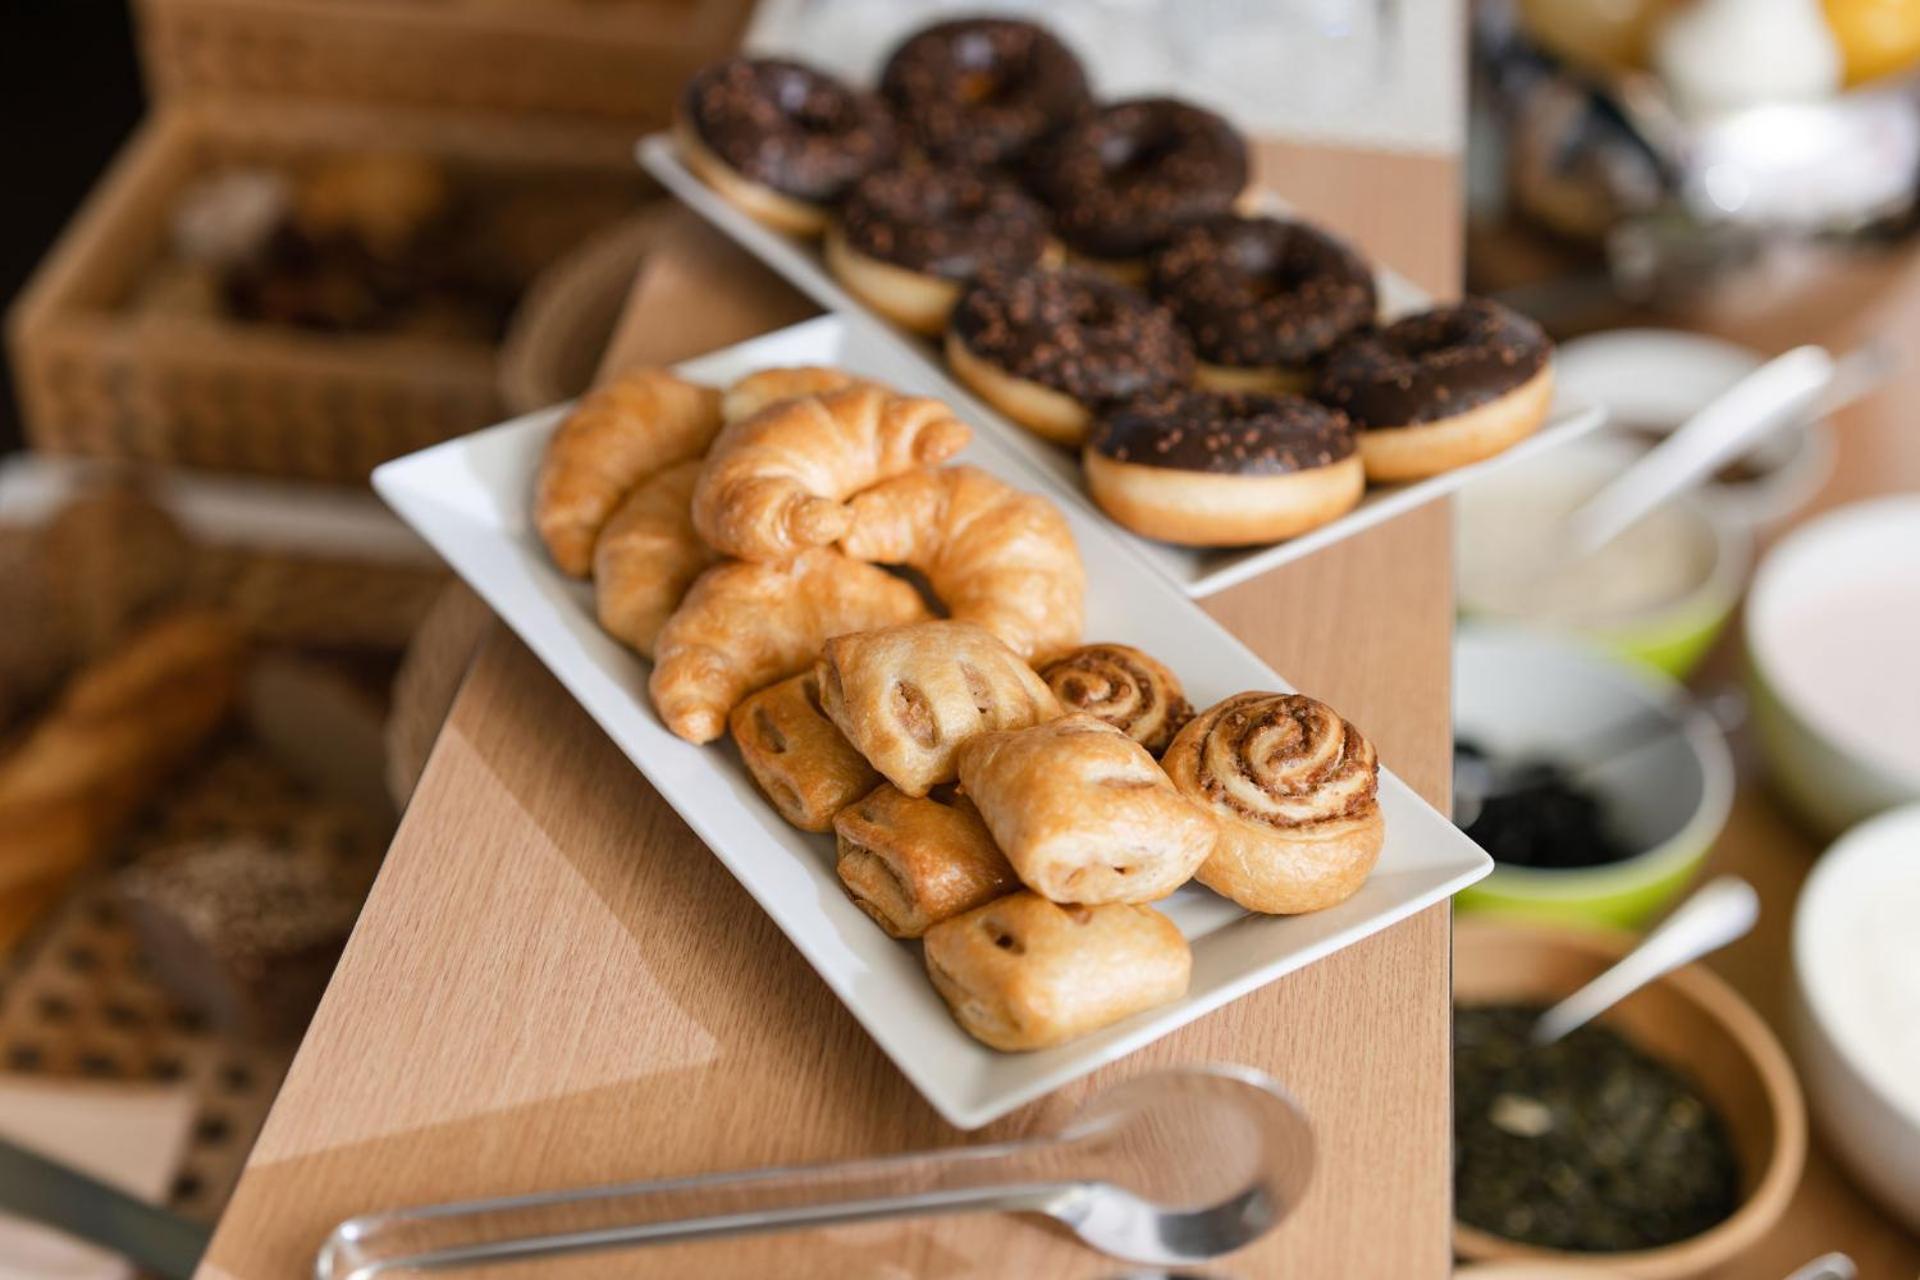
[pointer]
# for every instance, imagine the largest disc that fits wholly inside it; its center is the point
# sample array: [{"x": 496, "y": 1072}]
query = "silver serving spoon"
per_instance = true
[
  {"x": 1719, "y": 912},
  {"x": 1162, "y": 1170}
]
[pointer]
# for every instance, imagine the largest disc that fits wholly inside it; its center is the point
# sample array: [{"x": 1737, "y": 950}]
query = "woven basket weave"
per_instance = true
[
  {"x": 95, "y": 378},
  {"x": 618, "y": 59}
]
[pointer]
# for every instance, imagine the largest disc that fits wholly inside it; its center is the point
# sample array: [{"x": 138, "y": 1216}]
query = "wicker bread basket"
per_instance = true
[
  {"x": 616, "y": 59},
  {"x": 96, "y": 378}
]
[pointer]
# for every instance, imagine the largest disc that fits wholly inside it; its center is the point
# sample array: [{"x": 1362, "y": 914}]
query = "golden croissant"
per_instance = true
[
  {"x": 647, "y": 557},
  {"x": 995, "y": 555},
  {"x": 774, "y": 483},
  {"x": 743, "y": 626},
  {"x": 617, "y": 436},
  {"x": 769, "y": 386}
]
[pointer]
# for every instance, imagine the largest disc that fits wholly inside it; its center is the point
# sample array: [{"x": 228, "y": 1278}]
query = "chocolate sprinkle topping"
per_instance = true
[
  {"x": 1223, "y": 433},
  {"x": 1124, "y": 179},
  {"x": 945, "y": 222},
  {"x": 1433, "y": 365},
  {"x": 1074, "y": 331},
  {"x": 981, "y": 91},
  {"x": 1260, "y": 293},
  {"x": 788, "y": 126}
]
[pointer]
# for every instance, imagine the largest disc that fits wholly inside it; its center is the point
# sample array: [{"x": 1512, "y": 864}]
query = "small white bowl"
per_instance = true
[
  {"x": 1855, "y": 1093},
  {"x": 1655, "y": 379},
  {"x": 1832, "y": 769},
  {"x": 1515, "y": 692}
]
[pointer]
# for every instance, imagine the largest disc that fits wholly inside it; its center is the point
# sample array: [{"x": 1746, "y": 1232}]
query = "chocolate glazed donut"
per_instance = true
[
  {"x": 909, "y": 236},
  {"x": 1045, "y": 347},
  {"x": 1218, "y": 468},
  {"x": 982, "y": 91},
  {"x": 780, "y": 139},
  {"x": 1294, "y": 788},
  {"x": 1121, "y": 181},
  {"x": 1441, "y": 388},
  {"x": 1263, "y": 299}
]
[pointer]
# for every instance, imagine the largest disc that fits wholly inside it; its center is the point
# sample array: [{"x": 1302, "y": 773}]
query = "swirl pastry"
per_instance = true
[
  {"x": 799, "y": 760},
  {"x": 618, "y": 435},
  {"x": 908, "y": 696},
  {"x": 995, "y": 555},
  {"x": 1293, "y": 788},
  {"x": 775, "y": 482},
  {"x": 743, "y": 626},
  {"x": 756, "y": 391},
  {"x": 913, "y": 861},
  {"x": 1024, "y": 973},
  {"x": 1124, "y": 687},
  {"x": 647, "y": 557},
  {"x": 1083, "y": 813}
]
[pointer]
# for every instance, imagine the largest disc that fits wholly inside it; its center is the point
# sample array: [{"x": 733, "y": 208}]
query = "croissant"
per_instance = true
[
  {"x": 774, "y": 482},
  {"x": 1126, "y": 688},
  {"x": 648, "y": 555},
  {"x": 908, "y": 696},
  {"x": 1024, "y": 973},
  {"x": 743, "y": 626},
  {"x": 994, "y": 554},
  {"x": 615, "y": 437},
  {"x": 1294, "y": 790},
  {"x": 1083, "y": 813},
  {"x": 756, "y": 391}
]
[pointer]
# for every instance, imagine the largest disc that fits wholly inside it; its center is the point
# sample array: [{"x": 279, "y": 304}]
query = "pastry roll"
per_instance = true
[
  {"x": 805, "y": 766},
  {"x": 1025, "y": 973},
  {"x": 1083, "y": 812},
  {"x": 908, "y": 696},
  {"x": 994, "y": 554},
  {"x": 1117, "y": 683},
  {"x": 647, "y": 557},
  {"x": 913, "y": 861},
  {"x": 776, "y": 482},
  {"x": 1293, "y": 788},
  {"x": 617, "y": 436},
  {"x": 743, "y": 626}
]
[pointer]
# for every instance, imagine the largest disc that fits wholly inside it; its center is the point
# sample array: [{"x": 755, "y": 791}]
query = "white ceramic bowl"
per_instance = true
[
  {"x": 1871, "y": 1124},
  {"x": 1508, "y": 510},
  {"x": 1658, "y": 378},
  {"x": 1833, "y": 770},
  {"x": 1523, "y": 693}
]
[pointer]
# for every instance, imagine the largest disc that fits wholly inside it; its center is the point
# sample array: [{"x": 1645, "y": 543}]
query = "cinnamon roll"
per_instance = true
[
  {"x": 1294, "y": 788},
  {"x": 1131, "y": 691}
]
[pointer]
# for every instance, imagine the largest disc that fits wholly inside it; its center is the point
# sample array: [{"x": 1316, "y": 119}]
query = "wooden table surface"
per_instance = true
[{"x": 554, "y": 983}]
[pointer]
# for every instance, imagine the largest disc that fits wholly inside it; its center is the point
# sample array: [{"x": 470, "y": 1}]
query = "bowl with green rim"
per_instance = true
[
  {"x": 1659, "y": 596},
  {"x": 1522, "y": 694}
]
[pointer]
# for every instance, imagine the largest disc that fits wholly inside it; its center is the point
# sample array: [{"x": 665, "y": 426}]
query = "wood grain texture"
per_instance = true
[{"x": 555, "y": 983}]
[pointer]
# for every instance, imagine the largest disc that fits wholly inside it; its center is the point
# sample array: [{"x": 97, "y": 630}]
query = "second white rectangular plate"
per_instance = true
[
  {"x": 469, "y": 498},
  {"x": 1196, "y": 571}
]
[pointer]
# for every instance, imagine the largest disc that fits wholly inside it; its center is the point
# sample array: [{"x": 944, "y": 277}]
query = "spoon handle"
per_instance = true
[
  {"x": 1007, "y": 1176},
  {"x": 1765, "y": 399},
  {"x": 1723, "y": 910}
]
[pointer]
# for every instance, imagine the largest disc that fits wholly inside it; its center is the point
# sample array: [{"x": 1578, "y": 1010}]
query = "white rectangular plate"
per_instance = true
[
  {"x": 469, "y": 498},
  {"x": 1197, "y": 571}
]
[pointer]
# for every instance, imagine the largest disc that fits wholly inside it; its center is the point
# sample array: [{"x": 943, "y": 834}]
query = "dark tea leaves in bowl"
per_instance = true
[
  {"x": 1546, "y": 819},
  {"x": 1586, "y": 1145}
]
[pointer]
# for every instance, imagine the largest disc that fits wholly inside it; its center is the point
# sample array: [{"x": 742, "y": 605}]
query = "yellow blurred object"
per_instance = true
[
  {"x": 1876, "y": 37},
  {"x": 1597, "y": 34}
]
